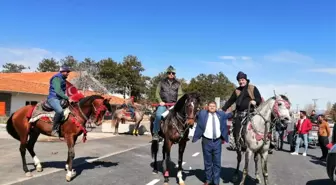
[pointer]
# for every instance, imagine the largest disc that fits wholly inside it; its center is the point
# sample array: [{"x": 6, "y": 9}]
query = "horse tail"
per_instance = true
[
  {"x": 154, "y": 148},
  {"x": 10, "y": 128}
]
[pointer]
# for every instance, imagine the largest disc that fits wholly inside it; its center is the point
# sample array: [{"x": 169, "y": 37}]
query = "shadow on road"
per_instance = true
[
  {"x": 172, "y": 168},
  {"x": 319, "y": 162},
  {"x": 226, "y": 175},
  {"x": 79, "y": 164},
  {"x": 320, "y": 182}
]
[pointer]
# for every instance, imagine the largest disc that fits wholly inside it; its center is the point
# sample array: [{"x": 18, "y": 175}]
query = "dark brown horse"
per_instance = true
[
  {"x": 175, "y": 129},
  {"x": 25, "y": 128}
]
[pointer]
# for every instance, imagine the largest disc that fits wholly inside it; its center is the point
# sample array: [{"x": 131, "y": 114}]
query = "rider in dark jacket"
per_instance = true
[
  {"x": 57, "y": 90},
  {"x": 242, "y": 98},
  {"x": 169, "y": 90}
]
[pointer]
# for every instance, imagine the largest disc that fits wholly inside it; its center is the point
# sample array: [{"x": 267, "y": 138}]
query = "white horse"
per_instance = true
[{"x": 256, "y": 134}]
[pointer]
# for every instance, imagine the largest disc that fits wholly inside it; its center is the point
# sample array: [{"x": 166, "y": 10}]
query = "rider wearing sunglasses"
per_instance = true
[{"x": 169, "y": 90}]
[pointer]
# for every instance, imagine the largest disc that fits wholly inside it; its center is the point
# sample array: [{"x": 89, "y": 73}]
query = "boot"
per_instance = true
[
  {"x": 56, "y": 124},
  {"x": 155, "y": 136}
]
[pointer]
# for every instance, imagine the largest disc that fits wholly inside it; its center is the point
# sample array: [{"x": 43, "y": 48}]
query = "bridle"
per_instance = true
[
  {"x": 97, "y": 111},
  {"x": 183, "y": 119},
  {"x": 276, "y": 107},
  {"x": 275, "y": 112}
]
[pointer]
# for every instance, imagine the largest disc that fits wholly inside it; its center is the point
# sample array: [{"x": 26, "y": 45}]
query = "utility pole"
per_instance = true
[
  {"x": 297, "y": 108},
  {"x": 315, "y": 100}
]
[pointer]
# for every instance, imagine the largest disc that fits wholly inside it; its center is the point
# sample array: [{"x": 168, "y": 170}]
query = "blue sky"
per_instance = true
[{"x": 285, "y": 45}]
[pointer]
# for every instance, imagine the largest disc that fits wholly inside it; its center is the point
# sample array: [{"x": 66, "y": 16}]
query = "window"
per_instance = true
[{"x": 31, "y": 102}]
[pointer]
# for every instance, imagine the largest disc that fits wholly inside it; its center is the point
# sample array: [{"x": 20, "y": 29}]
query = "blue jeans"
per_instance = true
[
  {"x": 300, "y": 137},
  {"x": 56, "y": 105},
  {"x": 160, "y": 110},
  {"x": 132, "y": 111}
]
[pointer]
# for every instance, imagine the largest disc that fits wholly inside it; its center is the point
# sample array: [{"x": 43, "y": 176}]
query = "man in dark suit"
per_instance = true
[{"x": 212, "y": 128}]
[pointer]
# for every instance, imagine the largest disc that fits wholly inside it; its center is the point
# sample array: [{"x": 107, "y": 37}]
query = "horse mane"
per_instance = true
[
  {"x": 94, "y": 97},
  {"x": 180, "y": 102},
  {"x": 273, "y": 98}
]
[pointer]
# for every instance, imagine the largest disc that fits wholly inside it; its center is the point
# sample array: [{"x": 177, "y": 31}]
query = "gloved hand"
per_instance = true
[{"x": 253, "y": 102}]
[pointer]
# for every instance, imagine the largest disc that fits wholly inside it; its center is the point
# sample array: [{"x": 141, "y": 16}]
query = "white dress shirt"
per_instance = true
[{"x": 208, "y": 133}]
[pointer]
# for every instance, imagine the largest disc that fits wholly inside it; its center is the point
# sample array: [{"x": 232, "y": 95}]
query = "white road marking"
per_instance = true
[
  {"x": 84, "y": 162},
  {"x": 153, "y": 182},
  {"x": 195, "y": 154}
]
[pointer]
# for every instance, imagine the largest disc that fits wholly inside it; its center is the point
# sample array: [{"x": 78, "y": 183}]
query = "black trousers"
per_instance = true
[{"x": 323, "y": 141}]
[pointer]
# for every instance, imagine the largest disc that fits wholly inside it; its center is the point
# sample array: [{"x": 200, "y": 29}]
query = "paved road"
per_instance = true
[{"x": 127, "y": 161}]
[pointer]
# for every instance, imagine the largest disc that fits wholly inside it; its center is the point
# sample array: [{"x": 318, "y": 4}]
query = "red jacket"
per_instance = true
[{"x": 305, "y": 128}]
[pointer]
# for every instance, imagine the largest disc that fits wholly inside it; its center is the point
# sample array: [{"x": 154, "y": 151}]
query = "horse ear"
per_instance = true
[{"x": 275, "y": 95}]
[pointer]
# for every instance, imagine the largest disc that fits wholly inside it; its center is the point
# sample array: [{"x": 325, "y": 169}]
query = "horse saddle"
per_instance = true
[{"x": 48, "y": 108}]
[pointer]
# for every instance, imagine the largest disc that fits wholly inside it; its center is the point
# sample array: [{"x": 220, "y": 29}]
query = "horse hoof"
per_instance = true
[
  {"x": 29, "y": 174},
  {"x": 39, "y": 169},
  {"x": 257, "y": 180},
  {"x": 68, "y": 178}
]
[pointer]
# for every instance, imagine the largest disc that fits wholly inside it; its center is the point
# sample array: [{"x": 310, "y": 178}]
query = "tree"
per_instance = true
[
  {"x": 48, "y": 65},
  {"x": 211, "y": 86},
  {"x": 70, "y": 61},
  {"x": 13, "y": 68},
  {"x": 154, "y": 81},
  {"x": 130, "y": 78},
  {"x": 328, "y": 108},
  {"x": 308, "y": 108},
  {"x": 333, "y": 112},
  {"x": 109, "y": 73}
]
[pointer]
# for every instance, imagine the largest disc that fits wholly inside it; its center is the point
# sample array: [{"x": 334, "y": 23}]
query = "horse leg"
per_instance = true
[
  {"x": 154, "y": 151},
  {"x": 256, "y": 158},
  {"x": 71, "y": 155},
  {"x": 116, "y": 126},
  {"x": 166, "y": 161},
  {"x": 182, "y": 146},
  {"x": 68, "y": 158},
  {"x": 236, "y": 175},
  {"x": 264, "y": 157},
  {"x": 248, "y": 155},
  {"x": 23, "y": 146},
  {"x": 34, "y": 134}
]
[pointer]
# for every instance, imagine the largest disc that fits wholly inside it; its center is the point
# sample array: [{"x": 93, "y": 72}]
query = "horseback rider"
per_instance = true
[
  {"x": 169, "y": 90},
  {"x": 129, "y": 105},
  {"x": 242, "y": 96},
  {"x": 57, "y": 90}
]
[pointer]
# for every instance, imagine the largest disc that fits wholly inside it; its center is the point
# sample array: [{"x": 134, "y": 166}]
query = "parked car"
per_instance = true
[{"x": 331, "y": 159}]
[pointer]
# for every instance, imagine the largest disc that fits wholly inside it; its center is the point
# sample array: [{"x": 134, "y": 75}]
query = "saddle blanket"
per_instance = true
[
  {"x": 166, "y": 112},
  {"x": 39, "y": 113}
]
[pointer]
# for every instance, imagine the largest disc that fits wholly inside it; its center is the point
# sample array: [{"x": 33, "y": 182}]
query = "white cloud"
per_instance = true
[
  {"x": 25, "y": 56},
  {"x": 246, "y": 58},
  {"x": 301, "y": 94},
  {"x": 325, "y": 70},
  {"x": 235, "y": 58},
  {"x": 228, "y": 57},
  {"x": 289, "y": 57}
]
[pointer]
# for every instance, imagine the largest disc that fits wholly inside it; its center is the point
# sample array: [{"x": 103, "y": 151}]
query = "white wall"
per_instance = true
[{"x": 19, "y": 100}]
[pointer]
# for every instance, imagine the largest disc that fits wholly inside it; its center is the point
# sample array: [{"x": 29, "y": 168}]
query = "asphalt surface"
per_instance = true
[{"x": 127, "y": 161}]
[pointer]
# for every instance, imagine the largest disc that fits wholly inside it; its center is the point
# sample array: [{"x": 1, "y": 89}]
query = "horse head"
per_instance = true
[
  {"x": 187, "y": 105},
  {"x": 94, "y": 107},
  {"x": 281, "y": 108}
]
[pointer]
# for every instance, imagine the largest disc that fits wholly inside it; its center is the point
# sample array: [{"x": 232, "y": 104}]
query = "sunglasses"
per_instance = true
[{"x": 171, "y": 73}]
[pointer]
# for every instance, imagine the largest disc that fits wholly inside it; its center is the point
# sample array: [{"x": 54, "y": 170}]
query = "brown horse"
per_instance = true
[
  {"x": 175, "y": 129},
  {"x": 27, "y": 128},
  {"x": 120, "y": 115}
]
